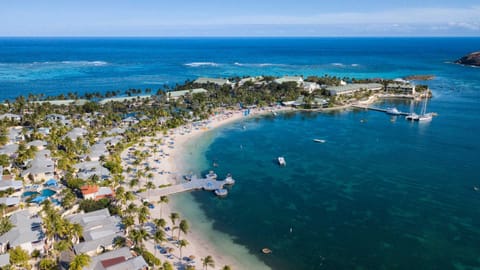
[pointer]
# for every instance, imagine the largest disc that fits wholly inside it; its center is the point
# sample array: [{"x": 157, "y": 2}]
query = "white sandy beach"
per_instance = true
[{"x": 173, "y": 155}]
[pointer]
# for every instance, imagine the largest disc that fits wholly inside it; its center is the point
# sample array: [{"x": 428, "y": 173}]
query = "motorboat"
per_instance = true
[
  {"x": 281, "y": 161},
  {"x": 229, "y": 180},
  {"x": 211, "y": 175},
  {"x": 319, "y": 140},
  {"x": 221, "y": 192},
  {"x": 266, "y": 251}
]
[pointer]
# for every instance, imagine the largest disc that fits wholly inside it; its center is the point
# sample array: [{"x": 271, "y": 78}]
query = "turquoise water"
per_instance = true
[
  {"x": 44, "y": 192},
  {"x": 379, "y": 194}
]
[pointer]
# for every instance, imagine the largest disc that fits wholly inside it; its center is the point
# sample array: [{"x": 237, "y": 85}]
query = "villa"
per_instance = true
[
  {"x": 119, "y": 259},
  {"x": 42, "y": 167},
  {"x": 100, "y": 230},
  {"x": 219, "y": 82},
  {"x": 350, "y": 89},
  {"x": 40, "y": 145},
  {"x": 27, "y": 233},
  {"x": 58, "y": 118},
  {"x": 96, "y": 193},
  {"x": 311, "y": 86},
  {"x": 76, "y": 133},
  {"x": 88, "y": 169},
  {"x": 10, "y": 150}
]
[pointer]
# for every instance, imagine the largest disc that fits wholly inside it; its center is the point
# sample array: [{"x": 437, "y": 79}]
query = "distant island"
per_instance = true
[{"x": 472, "y": 59}]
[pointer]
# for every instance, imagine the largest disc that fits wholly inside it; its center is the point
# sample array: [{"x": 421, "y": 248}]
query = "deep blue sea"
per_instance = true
[{"x": 381, "y": 193}]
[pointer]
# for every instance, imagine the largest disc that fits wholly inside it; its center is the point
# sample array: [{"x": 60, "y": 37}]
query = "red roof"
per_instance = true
[
  {"x": 109, "y": 262},
  {"x": 89, "y": 189}
]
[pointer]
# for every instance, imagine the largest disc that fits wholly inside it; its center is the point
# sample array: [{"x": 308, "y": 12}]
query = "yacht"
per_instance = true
[
  {"x": 412, "y": 117},
  {"x": 425, "y": 117},
  {"x": 281, "y": 161}
]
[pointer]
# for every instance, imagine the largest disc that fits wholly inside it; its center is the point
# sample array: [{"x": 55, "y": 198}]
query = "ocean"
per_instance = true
[{"x": 380, "y": 193}]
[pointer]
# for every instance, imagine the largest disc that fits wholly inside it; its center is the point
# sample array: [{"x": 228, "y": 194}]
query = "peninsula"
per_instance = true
[{"x": 472, "y": 59}]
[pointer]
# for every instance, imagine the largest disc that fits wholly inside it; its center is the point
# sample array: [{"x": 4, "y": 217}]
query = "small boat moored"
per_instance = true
[
  {"x": 266, "y": 251},
  {"x": 281, "y": 161},
  {"x": 211, "y": 175},
  {"x": 229, "y": 180},
  {"x": 221, "y": 192}
]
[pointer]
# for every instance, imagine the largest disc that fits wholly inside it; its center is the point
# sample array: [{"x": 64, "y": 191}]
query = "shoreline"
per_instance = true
[{"x": 202, "y": 238}]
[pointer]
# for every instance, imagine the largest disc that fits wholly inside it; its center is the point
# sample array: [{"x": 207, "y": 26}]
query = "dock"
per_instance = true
[
  {"x": 376, "y": 109},
  {"x": 195, "y": 183}
]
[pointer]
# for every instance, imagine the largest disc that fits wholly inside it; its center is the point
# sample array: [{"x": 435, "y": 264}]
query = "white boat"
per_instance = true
[
  {"x": 274, "y": 113},
  {"x": 412, "y": 117},
  {"x": 425, "y": 117},
  {"x": 211, "y": 175},
  {"x": 319, "y": 140},
  {"x": 281, "y": 161},
  {"x": 221, "y": 192},
  {"x": 229, "y": 180},
  {"x": 393, "y": 111}
]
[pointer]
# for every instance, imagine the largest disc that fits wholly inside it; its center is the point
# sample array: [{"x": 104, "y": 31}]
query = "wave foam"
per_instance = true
[
  {"x": 201, "y": 64},
  {"x": 259, "y": 64}
]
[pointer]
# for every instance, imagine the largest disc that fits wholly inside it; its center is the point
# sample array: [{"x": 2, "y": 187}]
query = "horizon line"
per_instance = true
[{"x": 241, "y": 36}]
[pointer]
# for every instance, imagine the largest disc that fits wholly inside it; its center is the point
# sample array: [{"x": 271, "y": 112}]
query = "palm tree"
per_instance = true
[
  {"x": 159, "y": 223},
  {"x": 138, "y": 236},
  {"x": 79, "y": 262},
  {"x": 226, "y": 267},
  {"x": 143, "y": 214},
  {"x": 181, "y": 244},
  {"x": 163, "y": 199},
  {"x": 149, "y": 185},
  {"x": 158, "y": 238},
  {"x": 174, "y": 216},
  {"x": 208, "y": 261},
  {"x": 183, "y": 227}
]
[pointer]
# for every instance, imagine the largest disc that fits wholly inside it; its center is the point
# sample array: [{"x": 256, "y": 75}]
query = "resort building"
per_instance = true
[
  {"x": 40, "y": 168},
  {"x": 26, "y": 233},
  {"x": 62, "y": 119},
  {"x": 219, "y": 82},
  {"x": 350, "y": 89},
  {"x": 89, "y": 169},
  {"x": 250, "y": 79},
  {"x": 100, "y": 230},
  {"x": 15, "y": 135},
  {"x": 124, "y": 99},
  {"x": 176, "y": 94},
  {"x": 39, "y": 144},
  {"x": 310, "y": 86},
  {"x": 11, "y": 117},
  {"x": 76, "y": 133},
  {"x": 94, "y": 192},
  {"x": 297, "y": 79},
  {"x": 401, "y": 88},
  {"x": 9, "y": 150},
  {"x": 120, "y": 259}
]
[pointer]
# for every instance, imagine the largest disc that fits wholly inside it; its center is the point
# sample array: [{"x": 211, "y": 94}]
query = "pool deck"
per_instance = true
[{"x": 194, "y": 184}]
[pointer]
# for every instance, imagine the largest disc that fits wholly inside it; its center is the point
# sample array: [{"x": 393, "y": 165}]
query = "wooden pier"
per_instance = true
[
  {"x": 376, "y": 109},
  {"x": 195, "y": 183}
]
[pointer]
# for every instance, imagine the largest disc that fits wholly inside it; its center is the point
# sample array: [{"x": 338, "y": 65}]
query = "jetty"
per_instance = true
[
  {"x": 195, "y": 183},
  {"x": 377, "y": 109}
]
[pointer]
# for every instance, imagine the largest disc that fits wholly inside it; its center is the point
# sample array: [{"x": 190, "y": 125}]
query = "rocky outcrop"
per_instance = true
[{"x": 472, "y": 59}]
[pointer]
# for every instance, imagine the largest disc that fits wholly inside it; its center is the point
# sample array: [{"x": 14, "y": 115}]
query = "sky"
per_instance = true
[{"x": 240, "y": 18}]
